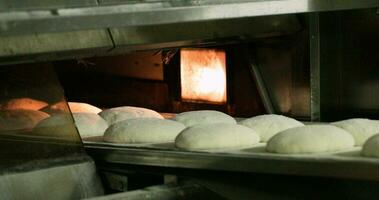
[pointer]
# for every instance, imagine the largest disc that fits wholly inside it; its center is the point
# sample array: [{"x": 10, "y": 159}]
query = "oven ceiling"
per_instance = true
[{"x": 58, "y": 29}]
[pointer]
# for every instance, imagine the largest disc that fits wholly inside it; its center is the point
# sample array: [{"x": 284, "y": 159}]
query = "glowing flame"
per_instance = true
[{"x": 203, "y": 75}]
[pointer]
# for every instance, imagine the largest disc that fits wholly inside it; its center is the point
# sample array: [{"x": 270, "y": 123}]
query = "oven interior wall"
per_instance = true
[
  {"x": 143, "y": 79},
  {"x": 349, "y": 64}
]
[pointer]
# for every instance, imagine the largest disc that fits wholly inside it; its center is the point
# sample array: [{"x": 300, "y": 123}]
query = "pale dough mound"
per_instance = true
[
  {"x": 371, "y": 147},
  {"x": 23, "y": 103},
  {"x": 20, "y": 119},
  {"x": 310, "y": 139},
  {"x": 58, "y": 125},
  {"x": 117, "y": 114},
  {"x": 192, "y": 118},
  {"x": 75, "y": 107},
  {"x": 216, "y": 136},
  {"x": 360, "y": 129},
  {"x": 143, "y": 130},
  {"x": 90, "y": 124},
  {"x": 268, "y": 125}
]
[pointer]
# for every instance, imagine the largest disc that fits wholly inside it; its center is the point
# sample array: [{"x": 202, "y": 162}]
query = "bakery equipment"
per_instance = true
[{"x": 311, "y": 60}]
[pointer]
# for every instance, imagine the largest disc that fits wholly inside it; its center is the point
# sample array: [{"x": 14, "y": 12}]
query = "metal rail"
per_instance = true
[
  {"x": 352, "y": 167},
  {"x": 162, "y": 12}
]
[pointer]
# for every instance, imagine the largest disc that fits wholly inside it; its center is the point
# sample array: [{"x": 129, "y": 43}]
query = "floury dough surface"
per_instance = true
[
  {"x": 114, "y": 115},
  {"x": 75, "y": 107},
  {"x": 310, "y": 139},
  {"x": 143, "y": 130},
  {"x": 90, "y": 124},
  {"x": 192, "y": 118},
  {"x": 11, "y": 120},
  {"x": 360, "y": 129},
  {"x": 268, "y": 125},
  {"x": 24, "y": 104},
  {"x": 371, "y": 147},
  {"x": 58, "y": 125},
  {"x": 216, "y": 136}
]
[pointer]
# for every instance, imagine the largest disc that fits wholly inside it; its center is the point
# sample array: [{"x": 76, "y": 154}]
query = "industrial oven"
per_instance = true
[{"x": 313, "y": 60}]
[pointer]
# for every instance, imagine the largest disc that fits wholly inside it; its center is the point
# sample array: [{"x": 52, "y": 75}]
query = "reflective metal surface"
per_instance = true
[
  {"x": 77, "y": 44},
  {"x": 52, "y": 46},
  {"x": 165, "y": 12},
  {"x": 63, "y": 178},
  {"x": 261, "y": 85},
  {"x": 255, "y": 160},
  {"x": 315, "y": 87},
  {"x": 27, "y": 137},
  {"x": 6, "y": 5},
  {"x": 203, "y": 33}
]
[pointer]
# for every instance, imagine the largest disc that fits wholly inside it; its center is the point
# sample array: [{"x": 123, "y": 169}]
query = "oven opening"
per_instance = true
[{"x": 203, "y": 75}]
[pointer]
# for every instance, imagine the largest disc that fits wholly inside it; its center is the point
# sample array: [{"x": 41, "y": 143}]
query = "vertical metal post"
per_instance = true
[
  {"x": 314, "y": 32},
  {"x": 262, "y": 89}
]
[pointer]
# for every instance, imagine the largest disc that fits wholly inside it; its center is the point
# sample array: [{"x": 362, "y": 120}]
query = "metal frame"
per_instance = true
[
  {"x": 163, "y": 12},
  {"x": 314, "y": 39},
  {"x": 261, "y": 85},
  {"x": 323, "y": 166}
]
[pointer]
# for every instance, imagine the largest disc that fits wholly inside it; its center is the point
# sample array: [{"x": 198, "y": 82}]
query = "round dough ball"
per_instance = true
[
  {"x": 58, "y": 125},
  {"x": 360, "y": 129},
  {"x": 216, "y": 136},
  {"x": 75, "y": 107},
  {"x": 268, "y": 125},
  {"x": 90, "y": 124},
  {"x": 310, "y": 139},
  {"x": 24, "y": 104},
  {"x": 192, "y": 118},
  {"x": 371, "y": 147},
  {"x": 20, "y": 119},
  {"x": 143, "y": 130},
  {"x": 118, "y": 114}
]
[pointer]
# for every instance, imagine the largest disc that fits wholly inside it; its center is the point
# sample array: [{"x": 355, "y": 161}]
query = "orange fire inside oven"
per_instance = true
[{"x": 203, "y": 75}]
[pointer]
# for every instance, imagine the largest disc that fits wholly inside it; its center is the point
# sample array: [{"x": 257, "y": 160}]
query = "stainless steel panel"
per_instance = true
[
  {"x": 315, "y": 87},
  {"x": 39, "y": 47},
  {"x": 73, "y": 178},
  {"x": 8, "y": 5},
  {"x": 209, "y": 32},
  {"x": 261, "y": 86},
  {"x": 166, "y": 12},
  {"x": 255, "y": 160},
  {"x": 24, "y": 142},
  {"x": 164, "y": 192},
  {"x": 108, "y": 2}
]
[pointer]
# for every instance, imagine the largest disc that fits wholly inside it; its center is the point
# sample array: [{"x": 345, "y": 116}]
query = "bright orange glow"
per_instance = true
[{"x": 203, "y": 75}]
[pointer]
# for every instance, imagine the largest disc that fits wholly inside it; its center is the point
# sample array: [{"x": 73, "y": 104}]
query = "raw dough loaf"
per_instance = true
[
  {"x": 58, "y": 125},
  {"x": 75, "y": 107},
  {"x": 90, "y": 124},
  {"x": 117, "y": 114},
  {"x": 24, "y": 104},
  {"x": 20, "y": 119},
  {"x": 371, "y": 147},
  {"x": 143, "y": 130},
  {"x": 192, "y": 118},
  {"x": 310, "y": 139},
  {"x": 360, "y": 129},
  {"x": 216, "y": 136},
  {"x": 268, "y": 125}
]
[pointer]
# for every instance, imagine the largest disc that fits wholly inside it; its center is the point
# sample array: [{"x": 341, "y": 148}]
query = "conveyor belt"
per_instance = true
[{"x": 344, "y": 164}]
